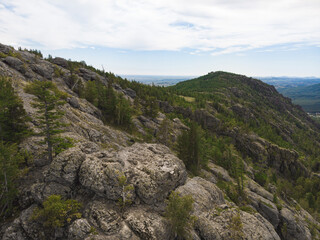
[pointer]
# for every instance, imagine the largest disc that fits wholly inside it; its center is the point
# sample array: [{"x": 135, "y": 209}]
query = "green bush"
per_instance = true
[
  {"x": 178, "y": 214},
  {"x": 261, "y": 178},
  {"x": 57, "y": 212}
]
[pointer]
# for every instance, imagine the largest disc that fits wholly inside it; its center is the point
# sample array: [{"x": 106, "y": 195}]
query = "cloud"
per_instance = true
[{"x": 202, "y": 25}]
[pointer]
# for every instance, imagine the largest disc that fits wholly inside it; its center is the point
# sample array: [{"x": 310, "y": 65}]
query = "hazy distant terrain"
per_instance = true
[
  {"x": 289, "y": 82},
  {"x": 308, "y": 97},
  {"x": 158, "y": 80},
  {"x": 303, "y": 91}
]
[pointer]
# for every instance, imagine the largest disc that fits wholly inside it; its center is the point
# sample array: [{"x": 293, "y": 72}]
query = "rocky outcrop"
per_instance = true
[
  {"x": 60, "y": 61},
  {"x": 206, "y": 194},
  {"x": 293, "y": 226},
  {"x": 230, "y": 223},
  {"x": 79, "y": 229},
  {"x": 148, "y": 225}
]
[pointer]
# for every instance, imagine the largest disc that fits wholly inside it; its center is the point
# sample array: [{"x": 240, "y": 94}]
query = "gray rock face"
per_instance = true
[
  {"x": 102, "y": 216},
  {"x": 293, "y": 227},
  {"x": 151, "y": 168},
  {"x": 148, "y": 225},
  {"x": 266, "y": 208},
  {"x": 101, "y": 176},
  {"x": 79, "y": 229},
  {"x": 154, "y": 171},
  {"x": 73, "y": 102},
  {"x": 5, "y": 49},
  {"x": 41, "y": 191},
  {"x": 131, "y": 93},
  {"x": 206, "y": 119},
  {"x": 60, "y": 61},
  {"x": 16, "y": 64},
  {"x": 65, "y": 167},
  {"x": 215, "y": 225},
  {"x": 219, "y": 172},
  {"x": 88, "y": 75},
  {"x": 43, "y": 69},
  {"x": 22, "y": 228},
  {"x": 205, "y": 194}
]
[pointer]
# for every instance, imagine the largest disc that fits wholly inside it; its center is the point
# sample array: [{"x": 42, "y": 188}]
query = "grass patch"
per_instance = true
[{"x": 188, "y": 99}]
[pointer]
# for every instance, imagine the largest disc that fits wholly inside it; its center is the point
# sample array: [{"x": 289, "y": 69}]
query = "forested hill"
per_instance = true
[
  {"x": 85, "y": 154},
  {"x": 253, "y": 106}
]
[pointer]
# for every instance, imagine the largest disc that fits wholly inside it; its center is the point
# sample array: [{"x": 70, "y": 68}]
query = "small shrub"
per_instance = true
[
  {"x": 235, "y": 227},
  {"x": 58, "y": 72},
  {"x": 126, "y": 193},
  {"x": 3, "y": 55},
  {"x": 178, "y": 214},
  {"x": 61, "y": 144},
  {"x": 57, "y": 212},
  {"x": 261, "y": 178}
]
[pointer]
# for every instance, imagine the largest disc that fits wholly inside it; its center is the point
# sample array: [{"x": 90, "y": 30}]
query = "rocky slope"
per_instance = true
[{"x": 89, "y": 173}]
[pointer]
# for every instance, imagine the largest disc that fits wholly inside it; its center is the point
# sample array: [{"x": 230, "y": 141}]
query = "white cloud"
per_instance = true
[{"x": 202, "y": 25}]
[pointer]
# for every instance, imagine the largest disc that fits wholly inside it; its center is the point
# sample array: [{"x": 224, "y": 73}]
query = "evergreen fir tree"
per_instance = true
[
  {"x": 48, "y": 99},
  {"x": 13, "y": 117}
]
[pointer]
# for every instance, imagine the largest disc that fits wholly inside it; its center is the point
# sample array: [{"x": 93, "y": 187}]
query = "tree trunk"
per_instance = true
[{"x": 48, "y": 135}]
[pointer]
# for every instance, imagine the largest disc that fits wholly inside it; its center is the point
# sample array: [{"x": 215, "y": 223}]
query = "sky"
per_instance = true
[{"x": 171, "y": 37}]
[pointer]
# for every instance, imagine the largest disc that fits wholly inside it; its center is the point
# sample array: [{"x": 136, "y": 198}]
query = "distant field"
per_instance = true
[{"x": 188, "y": 99}]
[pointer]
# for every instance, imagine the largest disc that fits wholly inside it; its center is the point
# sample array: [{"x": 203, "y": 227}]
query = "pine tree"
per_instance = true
[
  {"x": 189, "y": 148},
  {"x": 178, "y": 214},
  {"x": 12, "y": 114},
  {"x": 10, "y": 160},
  {"x": 48, "y": 99}
]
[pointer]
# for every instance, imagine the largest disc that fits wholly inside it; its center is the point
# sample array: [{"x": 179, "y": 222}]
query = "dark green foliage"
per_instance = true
[
  {"x": 61, "y": 143},
  {"x": 56, "y": 212},
  {"x": 178, "y": 214},
  {"x": 151, "y": 107},
  {"x": 114, "y": 107},
  {"x": 234, "y": 192},
  {"x": 189, "y": 148},
  {"x": 13, "y": 117},
  {"x": 13, "y": 128},
  {"x": 10, "y": 162},
  {"x": 48, "y": 99},
  {"x": 261, "y": 177}
]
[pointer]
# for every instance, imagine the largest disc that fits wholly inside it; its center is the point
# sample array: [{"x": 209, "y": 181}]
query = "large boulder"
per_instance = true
[
  {"x": 234, "y": 224},
  {"x": 206, "y": 195},
  {"x": 152, "y": 169},
  {"x": 147, "y": 224},
  {"x": 65, "y": 167},
  {"x": 103, "y": 217},
  {"x": 60, "y": 61},
  {"x": 101, "y": 176}
]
